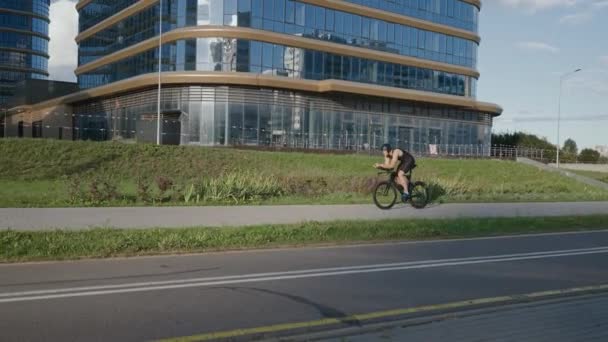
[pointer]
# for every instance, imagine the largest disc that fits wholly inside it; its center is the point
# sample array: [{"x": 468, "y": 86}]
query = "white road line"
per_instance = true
[
  {"x": 267, "y": 274},
  {"x": 273, "y": 276}
]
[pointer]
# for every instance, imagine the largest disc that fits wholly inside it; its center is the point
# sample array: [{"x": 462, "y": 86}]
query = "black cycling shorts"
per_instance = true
[{"x": 407, "y": 163}]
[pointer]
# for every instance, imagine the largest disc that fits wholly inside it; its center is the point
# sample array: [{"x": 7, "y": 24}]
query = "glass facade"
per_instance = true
[
  {"x": 23, "y": 55},
  {"x": 232, "y": 55},
  {"x": 288, "y": 17},
  {"x": 454, "y": 13},
  {"x": 298, "y": 18},
  {"x": 98, "y": 10},
  {"x": 138, "y": 27},
  {"x": 239, "y": 115},
  {"x": 24, "y": 41},
  {"x": 23, "y": 60},
  {"x": 39, "y": 7},
  {"x": 24, "y": 22},
  {"x": 253, "y": 116}
]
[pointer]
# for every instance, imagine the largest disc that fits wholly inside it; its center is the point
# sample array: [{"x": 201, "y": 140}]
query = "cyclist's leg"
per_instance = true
[
  {"x": 402, "y": 180},
  {"x": 404, "y": 168}
]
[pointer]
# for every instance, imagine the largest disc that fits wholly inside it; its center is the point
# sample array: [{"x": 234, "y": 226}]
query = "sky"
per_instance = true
[{"x": 526, "y": 47}]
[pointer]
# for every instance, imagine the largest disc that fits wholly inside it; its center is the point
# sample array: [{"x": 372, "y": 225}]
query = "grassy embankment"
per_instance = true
[{"x": 48, "y": 173}]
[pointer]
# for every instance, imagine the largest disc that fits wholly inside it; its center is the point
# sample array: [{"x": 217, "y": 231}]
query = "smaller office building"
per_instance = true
[{"x": 26, "y": 122}]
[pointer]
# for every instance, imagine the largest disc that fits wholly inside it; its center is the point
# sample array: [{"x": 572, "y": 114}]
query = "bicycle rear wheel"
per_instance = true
[
  {"x": 419, "y": 196},
  {"x": 385, "y": 195}
]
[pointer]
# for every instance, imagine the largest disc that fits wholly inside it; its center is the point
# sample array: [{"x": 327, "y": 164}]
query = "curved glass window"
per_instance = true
[
  {"x": 15, "y": 76},
  {"x": 23, "y": 41},
  {"x": 98, "y": 10},
  {"x": 16, "y": 21},
  {"x": 24, "y": 22},
  {"x": 294, "y": 18},
  {"x": 23, "y": 60},
  {"x": 231, "y": 115},
  {"x": 316, "y": 22},
  {"x": 40, "y": 26},
  {"x": 453, "y": 13},
  {"x": 218, "y": 54},
  {"x": 137, "y": 28},
  {"x": 40, "y": 7}
]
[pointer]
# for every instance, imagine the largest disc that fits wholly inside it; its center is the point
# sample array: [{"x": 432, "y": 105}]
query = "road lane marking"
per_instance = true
[
  {"x": 394, "y": 313},
  {"x": 342, "y": 268},
  {"x": 287, "y": 275}
]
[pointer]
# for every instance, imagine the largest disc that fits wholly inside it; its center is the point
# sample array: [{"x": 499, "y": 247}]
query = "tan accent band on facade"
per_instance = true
[
  {"x": 277, "y": 38},
  {"x": 477, "y": 3},
  {"x": 80, "y": 5},
  {"x": 83, "y": 3},
  {"x": 251, "y": 79},
  {"x": 341, "y": 5},
  {"x": 115, "y": 19}
]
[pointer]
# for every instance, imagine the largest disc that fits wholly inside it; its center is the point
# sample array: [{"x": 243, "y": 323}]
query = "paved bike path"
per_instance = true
[{"x": 145, "y": 217}]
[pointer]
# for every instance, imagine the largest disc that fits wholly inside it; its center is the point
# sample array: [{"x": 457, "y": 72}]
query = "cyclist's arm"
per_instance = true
[{"x": 389, "y": 163}]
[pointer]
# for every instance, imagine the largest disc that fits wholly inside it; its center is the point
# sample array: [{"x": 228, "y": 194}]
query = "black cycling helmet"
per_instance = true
[{"x": 387, "y": 147}]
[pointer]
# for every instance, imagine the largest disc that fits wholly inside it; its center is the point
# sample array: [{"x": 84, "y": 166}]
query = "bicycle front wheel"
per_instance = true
[{"x": 385, "y": 195}]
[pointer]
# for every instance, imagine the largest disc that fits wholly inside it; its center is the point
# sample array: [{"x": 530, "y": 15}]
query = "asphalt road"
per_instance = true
[
  {"x": 173, "y": 296},
  {"x": 565, "y": 320},
  {"x": 171, "y": 217}
]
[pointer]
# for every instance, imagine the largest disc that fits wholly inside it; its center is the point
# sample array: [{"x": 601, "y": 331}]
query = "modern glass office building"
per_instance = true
[
  {"x": 326, "y": 74},
  {"x": 24, "y": 38}
]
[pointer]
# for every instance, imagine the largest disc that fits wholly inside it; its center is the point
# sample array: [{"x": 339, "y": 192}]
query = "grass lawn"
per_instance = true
[
  {"x": 18, "y": 246},
  {"x": 51, "y": 173}
]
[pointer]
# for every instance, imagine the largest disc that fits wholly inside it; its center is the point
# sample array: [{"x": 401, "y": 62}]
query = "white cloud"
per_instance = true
[
  {"x": 532, "y": 6},
  {"x": 583, "y": 10},
  {"x": 587, "y": 10},
  {"x": 538, "y": 46},
  {"x": 576, "y": 18},
  {"x": 600, "y": 4},
  {"x": 62, "y": 47}
]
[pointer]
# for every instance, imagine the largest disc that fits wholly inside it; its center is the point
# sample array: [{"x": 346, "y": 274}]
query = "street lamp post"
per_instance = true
[
  {"x": 559, "y": 110},
  {"x": 160, "y": 61}
]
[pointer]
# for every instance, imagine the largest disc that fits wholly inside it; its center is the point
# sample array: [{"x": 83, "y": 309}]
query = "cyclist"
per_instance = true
[{"x": 404, "y": 162}]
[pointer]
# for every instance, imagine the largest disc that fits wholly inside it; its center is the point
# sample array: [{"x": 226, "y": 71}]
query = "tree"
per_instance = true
[
  {"x": 521, "y": 139},
  {"x": 570, "y": 146},
  {"x": 589, "y": 156}
]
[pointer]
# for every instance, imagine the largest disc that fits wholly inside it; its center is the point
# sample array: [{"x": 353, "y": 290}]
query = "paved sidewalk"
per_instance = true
[{"x": 145, "y": 217}]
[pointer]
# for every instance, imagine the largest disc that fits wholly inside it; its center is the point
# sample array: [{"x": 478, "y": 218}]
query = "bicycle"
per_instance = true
[{"x": 386, "y": 192}]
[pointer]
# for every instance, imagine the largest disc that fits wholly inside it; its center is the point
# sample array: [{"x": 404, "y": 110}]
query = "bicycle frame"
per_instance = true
[{"x": 392, "y": 175}]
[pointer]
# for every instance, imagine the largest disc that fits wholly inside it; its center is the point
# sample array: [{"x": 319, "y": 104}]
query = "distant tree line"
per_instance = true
[{"x": 568, "y": 153}]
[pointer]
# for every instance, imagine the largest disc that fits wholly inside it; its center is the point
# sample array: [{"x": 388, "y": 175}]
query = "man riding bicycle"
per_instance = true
[{"x": 405, "y": 162}]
